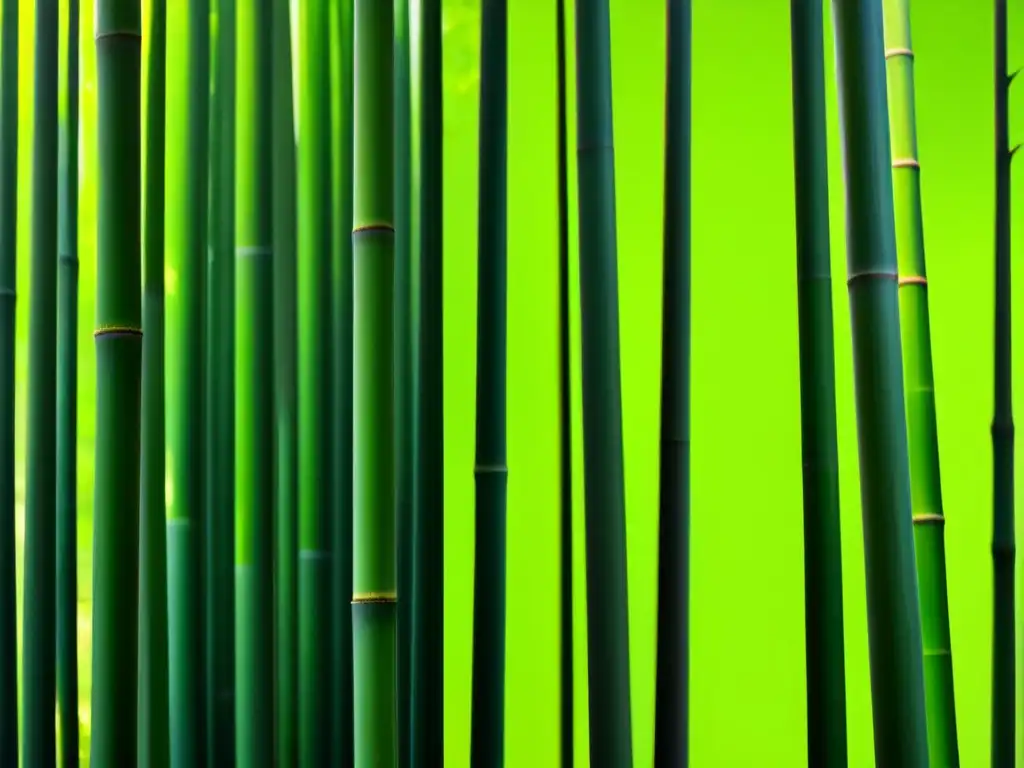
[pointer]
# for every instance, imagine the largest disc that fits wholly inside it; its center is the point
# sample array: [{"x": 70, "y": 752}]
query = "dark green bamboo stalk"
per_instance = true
[
  {"x": 374, "y": 610},
  {"x": 67, "y": 401},
  {"x": 254, "y": 426},
  {"x": 154, "y": 739},
  {"x": 118, "y": 385},
  {"x": 922, "y": 435},
  {"x": 607, "y": 613},
  {"x": 404, "y": 384},
  {"x": 672, "y": 686},
  {"x": 285, "y": 464},
  {"x": 314, "y": 268},
  {"x": 186, "y": 188},
  {"x": 1003, "y": 537},
  {"x": 823, "y": 576},
  {"x": 8, "y": 294},
  {"x": 38, "y": 624},
  {"x": 894, "y": 624},
  {"x": 427, "y": 666},
  {"x": 487, "y": 737},
  {"x": 341, "y": 393},
  {"x": 564, "y": 406},
  {"x": 218, "y": 521}
]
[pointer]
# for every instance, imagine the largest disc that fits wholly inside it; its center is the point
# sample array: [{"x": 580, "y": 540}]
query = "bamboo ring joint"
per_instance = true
[
  {"x": 109, "y": 33},
  {"x": 906, "y": 162},
  {"x": 110, "y": 330},
  {"x": 491, "y": 469},
  {"x": 369, "y": 598},
  {"x": 912, "y": 280},
  {"x": 929, "y": 518},
  {"x": 8, "y": 293},
  {"x": 380, "y": 228},
  {"x": 892, "y": 53},
  {"x": 871, "y": 275},
  {"x": 252, "y": 251}
]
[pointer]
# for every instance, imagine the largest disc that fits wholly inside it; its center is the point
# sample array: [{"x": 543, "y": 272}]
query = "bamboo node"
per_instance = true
[
  {"x": 111, "y": 33},
  {"x": 371, "y": 229},
  {"x": 313, "y": 554},
  {"x": 491, "y": 469},
  {"x": 68, "y": 258},
  {"x": 892, "y": 53},
  {"x": 928, "y": 518},
  {"x": 906, "y": 162},
  {"x": 253, "y": 251},
  {"x": 122, "y": 330},
  {"x": 364, "y": 598},
  {"x": 912, "y": 280},
  {"x": 871, "y": 275},
  {"x": 8, "y": 293}
]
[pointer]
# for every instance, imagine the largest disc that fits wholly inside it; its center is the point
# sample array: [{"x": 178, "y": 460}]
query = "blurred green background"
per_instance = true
[{"x": 747, "y": 694}]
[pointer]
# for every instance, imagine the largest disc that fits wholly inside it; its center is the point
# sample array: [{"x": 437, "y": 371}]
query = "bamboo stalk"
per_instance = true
[
  {"x": 154, "y": 738},
  {"x": 38, "y": 624},
  {"x": 374, "y": 611},
  {"x": 119, "y": 386},
  {"x": 604, "y": 486},
  {"x": 823, "y": 576},
  {"x": 8, "y": 343},
  {"x": 67, "y": 401},
  {"x": 254, "y": 395},
  {"x": 922, "y": 435},
  {"x": 341, "y": 393},
  {"x": 427, "y": 667},
  {"x": 672, "y": 729},
  {"x": 566, "y": 713},
  {"x": 487, "y": 735},
  {"x": 285, "y": 464},
  {"x": 1003, "y": 535},
  {"x": 218, "y": 520},
  {"x": 894, "y": 625},
  {"x": 186, "y": 189},
  {"x": 314, "y": 380}
]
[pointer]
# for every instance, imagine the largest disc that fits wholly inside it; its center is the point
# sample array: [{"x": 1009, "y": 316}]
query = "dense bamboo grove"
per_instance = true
[{"x": 269, "y": 494}]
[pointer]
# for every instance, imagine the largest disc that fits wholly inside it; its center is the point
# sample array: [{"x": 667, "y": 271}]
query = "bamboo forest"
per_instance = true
[{"x": 352, "y": 353}]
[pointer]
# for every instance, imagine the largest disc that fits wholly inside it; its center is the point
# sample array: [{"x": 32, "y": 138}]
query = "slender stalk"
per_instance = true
[
  {"x": 564, "y": 406},
  {"x": 374, "y": 611},
  {"x": 823, "y": 576},
  {"x": 404, "y": 365},
  {"x": 427, "y": 666},
  {"x": 38, "y": 625},
  {"x": 672, "y": 707},
  {"x": 487, "y": 737},
  {"x": 254, "y": 427},
  {"x": 1003, "y": 537},
  {"x": 218, "y": 575},
  {"x": 8, "y": 294},
  {"x": 894, "y": 625},
  {"x": 314, "y": 380},
  {"x": 186, "y": 189},
  {"x": 67, "y": 401},
  {"x": 285, "y": 464},
  {"x": 922, "y": 435},
  {"x": 119, "y": 385},
  {"x": 607, "y": 611},
  {"x": 154, "y": 739}
]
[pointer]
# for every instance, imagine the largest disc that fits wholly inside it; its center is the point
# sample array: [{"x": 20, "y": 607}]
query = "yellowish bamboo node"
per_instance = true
[
  {"x": 929, "y": 518},
  {"x": 374, "y": 597},
  {"x": 380, "y": 227},
  {"x": 906, "y": 162},
  {"x": 129, "y": 330},
  {"x": 892, "y": 53},
  {"x": 871, "y": 275},
  {"x": 912, "y": 280}
]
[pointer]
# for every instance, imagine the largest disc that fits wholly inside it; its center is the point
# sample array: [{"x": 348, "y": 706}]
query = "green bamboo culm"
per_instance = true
[
  {"x": 285, "y": 464},
  {"x": 219, "y": 515},
  {"x": 254, "y": 397},
  {"x": 672, "y": 684},
  {"x": 118, "y": 385},
  {"x": 487, "y": 733},
  {"x": 604, "y": 487},
  {"x": 1004, "y": 674},
  {"x": 38, "y": 623},
  {"x": 823, "y": 576},
  {"x": 426, "y": 693},
  {"x": 8, "y": 295},
  {"x": 566, "y": 716},
  {"x": 154, "y": 738},
  {"x": 374, "y": 576},
  {"x": 341, "y": 392},
  {"x": 188, "y": 82},
  {"x": 404, "y": 363},
  {"x": 67, "y": 401},
  {"x": 894, "y": 625},
  {"x": 922, "y": 435},
  {"x": 314, "y": 399}
]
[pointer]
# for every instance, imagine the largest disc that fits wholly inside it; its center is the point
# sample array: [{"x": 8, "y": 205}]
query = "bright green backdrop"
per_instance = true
[{"x": 747, "y": 699}]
